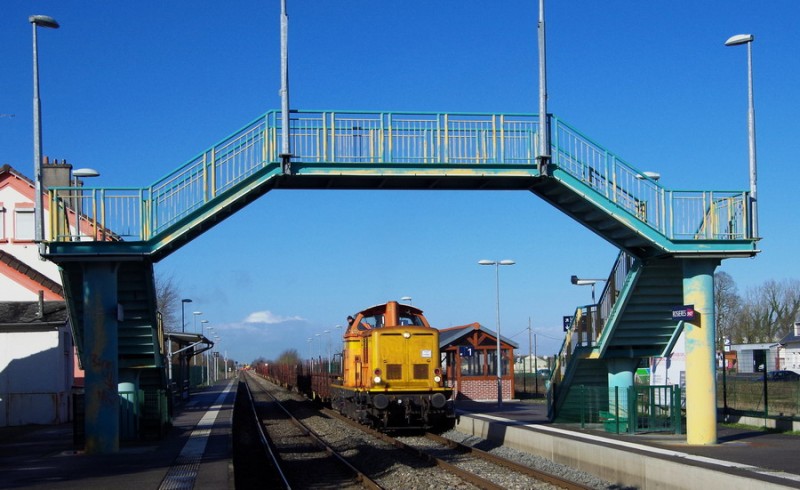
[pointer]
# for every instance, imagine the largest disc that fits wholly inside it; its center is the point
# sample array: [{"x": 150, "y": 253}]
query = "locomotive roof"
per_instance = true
[{"x": 382, "y": 307}]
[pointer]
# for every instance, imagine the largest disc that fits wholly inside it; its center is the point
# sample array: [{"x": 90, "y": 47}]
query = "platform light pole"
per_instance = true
[
  {"x": 205, "y": 354},
  {"x": 497, "y": 264},
  {"x": 328, "y": 348},
  {"x": 586, "y": 282},
  {"x": 286, "y": 152},
  {"x": 544, "y": 129},
  {"x": 49, "y": 22},
  {"x": 196, "y": 314},
  {"x": 77, "y": 174},
  {"x": 183, "y": 313},
  {"x": 751, "y": 127}
]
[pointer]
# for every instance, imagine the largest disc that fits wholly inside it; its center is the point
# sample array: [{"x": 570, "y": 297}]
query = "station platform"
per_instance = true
[
  {"x": 742, "y": 458},
  {"x": 196, "y": 453}
]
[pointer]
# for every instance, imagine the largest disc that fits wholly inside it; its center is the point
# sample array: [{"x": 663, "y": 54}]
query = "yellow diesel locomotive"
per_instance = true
[{"x": 391, "y": 371}]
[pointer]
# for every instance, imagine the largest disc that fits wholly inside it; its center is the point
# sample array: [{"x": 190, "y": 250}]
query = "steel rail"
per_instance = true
[
  {"x": 465, "y": 475},
  {"x": 266, "y": 443},
  {"x": 520, "y": 468},
  {"x": 362, "y": 478}
]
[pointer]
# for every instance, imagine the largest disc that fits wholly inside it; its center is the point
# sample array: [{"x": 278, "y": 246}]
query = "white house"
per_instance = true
[
  {"x": 38, "y": 364},
  {"x": 791, "y": 350},
  {"x": 22, "y": 273}
]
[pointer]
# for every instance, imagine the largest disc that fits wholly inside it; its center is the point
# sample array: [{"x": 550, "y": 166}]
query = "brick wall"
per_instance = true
[{"x": 483, "y": 389}]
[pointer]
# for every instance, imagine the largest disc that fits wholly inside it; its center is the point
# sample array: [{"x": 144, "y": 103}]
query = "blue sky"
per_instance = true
[{"x": 135, "y": 89}]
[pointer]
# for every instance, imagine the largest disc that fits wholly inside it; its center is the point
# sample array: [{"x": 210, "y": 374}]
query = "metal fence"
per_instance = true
[
  {"x": 759, "y": 395},
  {"x": 636, "y": 409}
]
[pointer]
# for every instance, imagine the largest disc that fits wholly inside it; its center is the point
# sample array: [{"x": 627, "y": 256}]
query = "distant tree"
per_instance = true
[
  {"x": 289, "y": 357},
  {"x": 168, "y": 302},
  {"x": 727, "y": 307},
  {"x": 260, "y": 360},
  {"x": 769, "y": 311}
]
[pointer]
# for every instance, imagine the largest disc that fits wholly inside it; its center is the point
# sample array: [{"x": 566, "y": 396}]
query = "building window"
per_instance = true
[
  {"x": 3, "y": 236},
  {"x": 492, "y": 358},
  {"x": 473, "y": 365},
  {"x": 24, "y": 224}
]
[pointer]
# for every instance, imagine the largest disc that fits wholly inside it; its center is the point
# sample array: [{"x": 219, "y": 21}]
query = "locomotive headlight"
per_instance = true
[
  {"x": 437, "y": 375},
  {"x": 377, "y": 380},
  {"x": 406, "y": 335},
  {"x": 437, "y": 379}
]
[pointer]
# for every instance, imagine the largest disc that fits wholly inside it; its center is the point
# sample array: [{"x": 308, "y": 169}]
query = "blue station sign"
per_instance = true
[{"x": 685, "y": 312}]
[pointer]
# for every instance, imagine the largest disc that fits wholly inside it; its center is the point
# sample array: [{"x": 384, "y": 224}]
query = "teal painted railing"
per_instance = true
[
  {"x": 588, "y": 322},
  {"x": 406, "y": 142}
]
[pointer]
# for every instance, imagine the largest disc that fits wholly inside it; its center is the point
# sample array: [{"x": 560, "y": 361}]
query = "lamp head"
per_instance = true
[
  {"x": 43, "y": 21},
  {"x": 85, "y": 172},
  {"x": 739, "y": 39}
]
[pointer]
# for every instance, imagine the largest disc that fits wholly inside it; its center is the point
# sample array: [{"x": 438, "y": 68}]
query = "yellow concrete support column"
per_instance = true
[{"x": 701, "y": 388}]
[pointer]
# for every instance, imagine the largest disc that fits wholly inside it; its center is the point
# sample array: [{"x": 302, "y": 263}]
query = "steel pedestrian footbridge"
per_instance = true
[{"x": 106, "y": 239}]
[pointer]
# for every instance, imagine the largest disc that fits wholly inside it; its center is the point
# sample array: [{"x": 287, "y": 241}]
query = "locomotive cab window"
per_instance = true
[
  {"x": 409, "y": 320},
  {"x": 370, "y": 322}
]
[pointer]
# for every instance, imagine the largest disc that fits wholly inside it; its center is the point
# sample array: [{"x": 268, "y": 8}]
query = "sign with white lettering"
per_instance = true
[{"x": 685, "y": 312}]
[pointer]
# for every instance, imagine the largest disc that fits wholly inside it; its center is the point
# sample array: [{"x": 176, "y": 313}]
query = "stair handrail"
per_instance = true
[
  {"x": 587, "y": 323},
  {"x": 675, "y": 214},
  {"x": 611, "y": 291}
]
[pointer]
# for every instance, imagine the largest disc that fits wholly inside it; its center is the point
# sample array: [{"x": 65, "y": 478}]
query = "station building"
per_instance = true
[{"x": 470, "y": 353}]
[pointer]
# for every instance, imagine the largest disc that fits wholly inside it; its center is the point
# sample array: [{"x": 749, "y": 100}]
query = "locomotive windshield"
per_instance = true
[
  {"x": 369, "y": 322},
  {"x": 410, "y": 320}
]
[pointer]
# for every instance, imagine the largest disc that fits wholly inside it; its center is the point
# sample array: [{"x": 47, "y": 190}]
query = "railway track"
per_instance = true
[
  {"x": 300, "y": 456},
  {"x": 474, "y": 466},
  {"x": 428, "y": 461}
]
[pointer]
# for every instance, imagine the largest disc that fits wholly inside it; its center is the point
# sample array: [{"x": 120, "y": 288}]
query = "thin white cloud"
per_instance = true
[{"x": 270, "y": 318}]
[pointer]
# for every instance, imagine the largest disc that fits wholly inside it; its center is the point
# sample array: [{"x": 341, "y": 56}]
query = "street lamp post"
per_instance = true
[
  {"x": 339, "y": 335},
  {"x": 194, "y": 330},
  {"x": 196, "y": 314},
  {"x": 205, "y": 354},
  {"x": 586, "y": 282},
  {"x": 38, "y": 21},
  {"x": 183, "y": 313},
  {"x": 751, "y": 127},
  {"x": 497, "y": 264},
  {"x": 77, "y": 183},
  {"x": 328, "y": 349},
  {"x": 594, "y": 318}
]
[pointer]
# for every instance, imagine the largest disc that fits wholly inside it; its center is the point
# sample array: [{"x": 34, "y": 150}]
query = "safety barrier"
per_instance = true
[{"x": 407, "y": 142}]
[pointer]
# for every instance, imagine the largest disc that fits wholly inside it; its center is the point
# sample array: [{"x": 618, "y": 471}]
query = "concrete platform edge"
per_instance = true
[{"x": 617, "y": 466}]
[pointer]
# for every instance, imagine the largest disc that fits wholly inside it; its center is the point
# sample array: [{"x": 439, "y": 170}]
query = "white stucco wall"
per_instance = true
[{"x": 35, "y": 377}]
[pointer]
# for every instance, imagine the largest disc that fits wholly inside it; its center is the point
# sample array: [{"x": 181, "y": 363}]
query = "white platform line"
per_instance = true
[{"x": 183, "y": 473}]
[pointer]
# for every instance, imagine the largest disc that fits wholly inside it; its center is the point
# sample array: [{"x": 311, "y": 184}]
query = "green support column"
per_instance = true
[
  {"x": 101, "y": 367},
  {"x": 701, "y": 387},
  {"x": 620, "y": 375}
]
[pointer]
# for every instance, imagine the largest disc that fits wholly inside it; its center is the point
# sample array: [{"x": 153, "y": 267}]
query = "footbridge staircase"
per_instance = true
[{"x": 656, "y": 229}]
